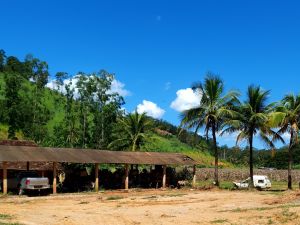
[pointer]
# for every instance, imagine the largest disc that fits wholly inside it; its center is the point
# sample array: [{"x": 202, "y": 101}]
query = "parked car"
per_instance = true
[
  {"x": 26, "y": 181},
  {"x": 259, "y": 182}
]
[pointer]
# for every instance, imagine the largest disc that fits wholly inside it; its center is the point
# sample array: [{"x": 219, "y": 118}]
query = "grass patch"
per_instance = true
[
  {"x": 174, "y": 195},
  {"x": 150, "y": 197},
  {"x": 112, "y": 198},
  {"x": 83, "y": 203},
  {"x": 8, "y": 223},
  {"x": 5, "y": 217},
  {"x": 219, "y": 221}
]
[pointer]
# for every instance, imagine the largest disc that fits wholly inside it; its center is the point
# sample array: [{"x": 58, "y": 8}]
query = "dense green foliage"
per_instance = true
[
  {"x": 214, "y": 108},
  {"x": 81, "y": 112}
]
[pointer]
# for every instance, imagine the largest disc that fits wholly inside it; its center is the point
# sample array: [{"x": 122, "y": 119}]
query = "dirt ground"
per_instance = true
[{"x": 154, "y": 207}]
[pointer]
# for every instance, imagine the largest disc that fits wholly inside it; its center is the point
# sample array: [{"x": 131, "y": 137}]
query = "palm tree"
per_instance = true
[
  {"x": 214, "y": 107},
  {"x": 287, "y": 117},
  {"x": 252, "y": 120},
  {"x": 131, "y": 131}
]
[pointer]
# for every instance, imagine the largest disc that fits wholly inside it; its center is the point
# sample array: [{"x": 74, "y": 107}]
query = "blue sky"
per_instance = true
[{"x": 157, "y": 48}]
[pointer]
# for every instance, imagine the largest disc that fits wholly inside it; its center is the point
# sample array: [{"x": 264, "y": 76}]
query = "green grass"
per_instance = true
[
  {"x": 219, "y": 221},
  {"x": 112, "y": 198},
  {"x": 5, "y": 217},
  {"x": 8, "y": 223},
  {"x": 157, "y": 143}
]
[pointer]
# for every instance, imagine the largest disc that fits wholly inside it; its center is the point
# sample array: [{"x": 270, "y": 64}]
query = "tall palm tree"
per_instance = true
[
  {"x": 252, "y": 120},
  {"x": 131, "y": 131},
  {"x": 287, "y": 118},
  {"x": 214, "y": 107}
]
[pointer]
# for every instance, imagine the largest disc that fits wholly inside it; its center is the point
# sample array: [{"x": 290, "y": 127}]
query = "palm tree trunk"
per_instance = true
[
  {"x": 251, "y": 184},
  {"x": 290, "y": 161},
  {"x": 216, "y": 175}
]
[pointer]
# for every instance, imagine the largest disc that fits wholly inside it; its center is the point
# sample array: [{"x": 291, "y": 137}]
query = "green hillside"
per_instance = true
[
  {"x": 54, "y": 102},
  {"x": 173, "y": 144},
  {"x": 94, "y": 119}
]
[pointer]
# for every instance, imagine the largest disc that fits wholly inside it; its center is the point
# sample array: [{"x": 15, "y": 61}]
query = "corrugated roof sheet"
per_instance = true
[
  {"x": 39, "y": 154},
  {"x": 37, "y": 166}
]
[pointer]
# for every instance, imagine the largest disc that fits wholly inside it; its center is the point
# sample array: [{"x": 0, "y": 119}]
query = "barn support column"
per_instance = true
[
  {"x": 126, "y": 176},
  {"x": 4, "y": 188},
  {"x": 164, "y": 178},
  {"x": 96, "y": 177},
  {"x": 194, "y": 176},
  {"x": 27, "y": 166},
  {"x": 54, "y": 177}
]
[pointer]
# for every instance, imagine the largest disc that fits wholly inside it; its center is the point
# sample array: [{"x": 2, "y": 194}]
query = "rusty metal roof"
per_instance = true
[
  {"x": 40, "y": 154},
  {"x": 37, "y": 166}
]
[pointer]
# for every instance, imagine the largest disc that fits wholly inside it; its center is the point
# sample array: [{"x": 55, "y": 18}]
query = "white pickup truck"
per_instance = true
[
  {"x": 259, "y": 182},
  {"x": 27, "y": 181}
]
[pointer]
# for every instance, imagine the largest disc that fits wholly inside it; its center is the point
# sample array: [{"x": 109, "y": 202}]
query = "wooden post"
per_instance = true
[
  {"x": 194, "y": 176},
  {"x": 54, "y": 177},
  {"x": 96, "y": 177},
  {"x": 126, "y": 177},
  {"x": 4, "y": 188},
  {"x": 43, "y": 173},
  {"x": 164, "y": 179},
  {"x": 27, "y": 166}
]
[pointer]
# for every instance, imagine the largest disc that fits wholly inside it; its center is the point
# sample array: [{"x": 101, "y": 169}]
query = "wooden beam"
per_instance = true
[
  {"x": 126, "y": 176},
  {"x": 4, "y": 188},
  {"x": 164, "y": 178},
  {"x": 194, "y": 176},
  {"x": 27, "y": 166},
  {"x": 96, "y": 177},
  {"x": 54, "y": 177}
]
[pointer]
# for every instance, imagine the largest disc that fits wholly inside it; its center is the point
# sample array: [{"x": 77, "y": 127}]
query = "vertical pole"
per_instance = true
[
  {"x": 164, "y": 176},
  {"x": 4, "y": 178},
  {"x": 54, "y": 177},
  {"x": 194, "y": 176},
  {"x": 43, "y": 173},
  {"x": 96, "y": 177},
  {"x": 126, "y": 176},
  {"x": 27, "y": 166}
]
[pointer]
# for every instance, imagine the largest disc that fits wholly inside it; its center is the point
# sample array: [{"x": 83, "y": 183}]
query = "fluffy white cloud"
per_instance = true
[
  {"x": 119, "y": 87},
  {"x": 151, "y": 109},
  {"x": 116, "y": 86},
  {"x": 186, "y": 99}
]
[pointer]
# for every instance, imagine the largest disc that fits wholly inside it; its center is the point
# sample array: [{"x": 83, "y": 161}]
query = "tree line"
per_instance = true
[
  {"x": 78, "y": 111},
  {"x": 222, "y": 113},
  {"x": 82, "y": 112}
]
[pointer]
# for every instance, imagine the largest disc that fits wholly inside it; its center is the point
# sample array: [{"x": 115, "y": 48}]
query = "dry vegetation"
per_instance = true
[{"x": 155, "y": 207}]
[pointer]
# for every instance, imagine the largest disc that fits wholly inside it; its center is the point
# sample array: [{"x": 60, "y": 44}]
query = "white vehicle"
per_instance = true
[
  {"x": 259, "y": 182},
  {"x": 26, "y": 181}
]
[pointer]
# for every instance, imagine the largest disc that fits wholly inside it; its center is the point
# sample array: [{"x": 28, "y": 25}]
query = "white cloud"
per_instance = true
[
  {"x": 119, "y": 87},
  {"x": 151, "y": 109},
  {"x": 186, "y": 99},
  {"x": 116, "y": 86}
]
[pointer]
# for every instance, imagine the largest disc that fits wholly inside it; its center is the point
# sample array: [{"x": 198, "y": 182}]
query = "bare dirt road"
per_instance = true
[{"x": 154, "y": 207}]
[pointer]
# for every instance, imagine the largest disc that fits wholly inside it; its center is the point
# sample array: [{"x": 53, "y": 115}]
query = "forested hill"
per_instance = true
[{"x": 81, "y": 114}]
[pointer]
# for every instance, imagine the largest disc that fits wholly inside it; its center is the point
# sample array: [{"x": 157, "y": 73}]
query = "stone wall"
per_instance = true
[{"x": 241, "y": 174}]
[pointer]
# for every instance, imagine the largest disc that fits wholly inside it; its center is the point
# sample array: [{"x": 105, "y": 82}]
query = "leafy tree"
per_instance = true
[
  {"x": 13, "y": 85},
  {"x": 106, "y": 108},
  {"x": 2, "y": 60},
  {"x": 253, "y": 119},
  {"x": 131, "y": 131},
  {"x": 287, "y": 117},
  {"x": 214, "y": 108},
  {"x": 86, "y": 88}
]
